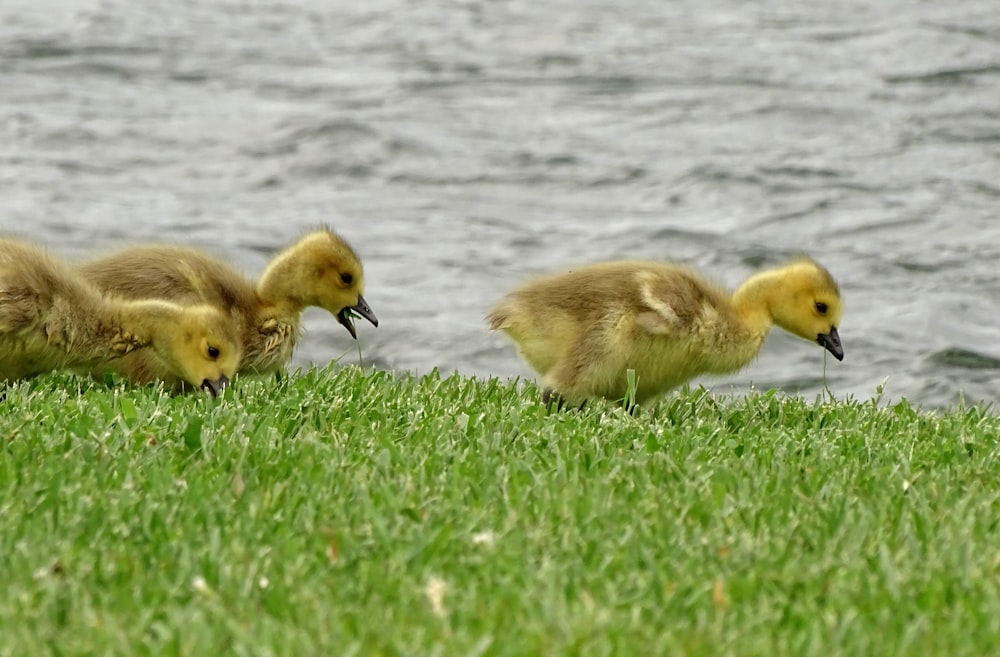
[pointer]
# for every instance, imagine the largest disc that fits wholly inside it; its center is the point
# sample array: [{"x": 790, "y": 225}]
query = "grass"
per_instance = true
[{"x": 343, "y": 512}]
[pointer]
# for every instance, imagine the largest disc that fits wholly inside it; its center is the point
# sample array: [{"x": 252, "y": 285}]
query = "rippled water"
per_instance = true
[{"x": 462, "y": 146}]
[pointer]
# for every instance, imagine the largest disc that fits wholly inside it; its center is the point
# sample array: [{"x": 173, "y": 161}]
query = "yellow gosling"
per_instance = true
[
  {"x": 50, "y": 319},
  {"x": 584, "y": 329},
  {"x": 320, "y": 269}
]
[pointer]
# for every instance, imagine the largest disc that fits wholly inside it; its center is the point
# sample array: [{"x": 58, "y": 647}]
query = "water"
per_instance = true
[{"x": 462, "y": 146}]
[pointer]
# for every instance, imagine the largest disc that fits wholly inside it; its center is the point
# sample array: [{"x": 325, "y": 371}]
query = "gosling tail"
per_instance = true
[{"x": 499, "y": 318}]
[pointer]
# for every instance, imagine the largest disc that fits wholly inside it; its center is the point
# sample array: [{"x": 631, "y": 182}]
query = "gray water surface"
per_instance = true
[{"x": 463, "y": 146}]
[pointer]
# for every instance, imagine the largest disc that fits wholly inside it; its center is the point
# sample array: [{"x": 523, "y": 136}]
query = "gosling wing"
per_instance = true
[{"x": 673, "y": 301}]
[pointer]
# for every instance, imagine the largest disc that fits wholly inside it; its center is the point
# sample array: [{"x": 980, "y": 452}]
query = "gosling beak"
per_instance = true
[
  {"x": 214, "y": 388},
  {"x": 362, "y": 309},
  {"x": 831, "y": 342}
]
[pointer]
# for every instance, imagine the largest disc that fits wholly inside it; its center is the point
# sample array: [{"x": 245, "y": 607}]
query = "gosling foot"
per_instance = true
[{"x": 555, "y": 401}]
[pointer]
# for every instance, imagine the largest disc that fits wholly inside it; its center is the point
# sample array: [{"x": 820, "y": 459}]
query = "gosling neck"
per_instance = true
[
  {"x": 276, "y": 286},
  {"x": 754, "y": 299}
]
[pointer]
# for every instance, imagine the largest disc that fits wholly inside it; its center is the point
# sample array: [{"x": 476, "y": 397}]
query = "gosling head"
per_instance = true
[
  {"x": 202, "y": 347},
  {"x": 321, "y": 269},
  {"x": 807, "y": 303}
]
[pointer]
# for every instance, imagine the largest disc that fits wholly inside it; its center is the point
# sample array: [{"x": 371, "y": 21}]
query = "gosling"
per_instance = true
[
  {"x": 584, "y": 329},
  {"x": 320, "y": 269},
  {"x": 51, "y": 320}
]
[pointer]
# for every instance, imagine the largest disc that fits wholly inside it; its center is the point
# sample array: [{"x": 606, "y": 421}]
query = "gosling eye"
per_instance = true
[
  {"x": 346, "y": 278},
  {"x": 821, "y": 307},
  {"x": 213, "y": 352}
]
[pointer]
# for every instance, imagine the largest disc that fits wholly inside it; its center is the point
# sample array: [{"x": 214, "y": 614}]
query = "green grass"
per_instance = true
[{"x": 350, "y": 513}]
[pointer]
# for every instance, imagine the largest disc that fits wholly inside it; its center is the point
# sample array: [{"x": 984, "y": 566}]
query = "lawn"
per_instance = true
[{"x": 342, "y": 512}]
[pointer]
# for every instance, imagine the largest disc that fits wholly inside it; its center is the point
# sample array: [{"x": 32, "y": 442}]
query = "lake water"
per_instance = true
[{"x": 462, "y": 146}]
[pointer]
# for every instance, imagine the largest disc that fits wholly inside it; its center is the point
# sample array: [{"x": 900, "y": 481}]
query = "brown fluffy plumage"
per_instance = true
[
  {"x": 50, "y": 320},
  {"x": 321, "y": 269},
  {"x": 582, "y": 330}
]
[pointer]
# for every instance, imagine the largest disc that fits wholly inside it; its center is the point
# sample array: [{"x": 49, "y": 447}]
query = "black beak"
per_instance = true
[
  {"x": 362, "y": 309},
  {"x": 214, "y": 388},
  {"x": 831, "y": 342}
]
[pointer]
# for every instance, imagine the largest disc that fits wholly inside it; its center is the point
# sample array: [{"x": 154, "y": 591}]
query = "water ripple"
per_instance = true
[{"x": 965, "y": 359}]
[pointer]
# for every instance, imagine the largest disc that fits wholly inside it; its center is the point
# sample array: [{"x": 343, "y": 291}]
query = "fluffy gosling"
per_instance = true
[
  {"x": 320, "y": 269},
  {"x": 582, "y": 330},
  {"x": 51, "y": 320}
]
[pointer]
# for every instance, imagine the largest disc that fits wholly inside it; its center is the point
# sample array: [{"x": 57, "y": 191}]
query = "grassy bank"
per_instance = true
[{"x": 342, "y": 513}]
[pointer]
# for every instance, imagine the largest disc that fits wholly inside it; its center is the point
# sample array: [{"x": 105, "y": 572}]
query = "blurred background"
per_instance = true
[{"x": 462, "y": 146}]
